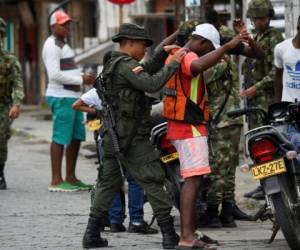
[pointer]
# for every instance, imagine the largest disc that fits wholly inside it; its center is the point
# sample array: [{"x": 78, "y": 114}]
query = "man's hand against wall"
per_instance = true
[
  {"x": 88, "y": 79},
  {"x": 14, "y": 112}
]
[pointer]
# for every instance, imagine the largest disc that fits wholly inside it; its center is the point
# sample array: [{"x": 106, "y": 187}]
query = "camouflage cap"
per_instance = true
[
  {"x": 132, "y": 31},
  {"x": 260, "y": 8},
  {"x": 2, "y": 25}
]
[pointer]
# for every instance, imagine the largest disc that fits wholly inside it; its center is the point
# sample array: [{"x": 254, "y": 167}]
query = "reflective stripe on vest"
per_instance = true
[{"x": 180, "y": 107}]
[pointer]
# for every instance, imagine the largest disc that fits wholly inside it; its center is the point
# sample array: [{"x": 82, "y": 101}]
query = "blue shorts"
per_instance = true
[{"x": 67, "y": 122}]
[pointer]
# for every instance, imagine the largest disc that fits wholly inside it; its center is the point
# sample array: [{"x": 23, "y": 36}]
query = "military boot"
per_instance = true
[
  {"x": 170, "y": 237},
  {"x": 226, "y": 216},
  {"x": 210, "y": 218},
  {"x": 238, "y": 214},
  {"x": 92, "y": 237},
  {"x": 2, "y": 178}
]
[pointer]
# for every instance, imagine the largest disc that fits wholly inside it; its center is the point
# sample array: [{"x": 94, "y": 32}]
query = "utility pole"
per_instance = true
[
  {"x": 291, "y": 17},
  {"x": 194, "y": 9}
]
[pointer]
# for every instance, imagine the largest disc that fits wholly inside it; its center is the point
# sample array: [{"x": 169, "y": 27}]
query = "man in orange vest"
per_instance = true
[{"x": 186, "y": 108}]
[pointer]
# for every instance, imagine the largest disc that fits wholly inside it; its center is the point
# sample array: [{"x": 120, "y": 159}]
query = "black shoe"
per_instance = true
[
  {"x": 142, "y": 228},
  {"x": 211, "y": 217},
  {"x": 240, "y": 215},
  {"x": 226, "y": 215},
  {"x": 92, "y": 237},
  {"x": 250, "y": 194},
  {"x": 169, "y": 235},
  {"x": 259, "y": 195},
  {"x": 228, "y": 221},
  {"x": 210, "y": 222},
  {"x": 2, "y": 183},
  {"x": 117, "y": 228}
]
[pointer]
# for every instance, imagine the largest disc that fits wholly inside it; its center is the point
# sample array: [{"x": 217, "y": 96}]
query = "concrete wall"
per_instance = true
[{"x": 292, "y": 11}]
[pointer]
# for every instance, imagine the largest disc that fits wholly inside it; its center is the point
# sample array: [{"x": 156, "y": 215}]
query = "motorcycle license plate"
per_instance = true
[
  {"x": 170, "y": 157},
  {"x": 94, "y": 125},
  {"x": 268, "y": 169}
]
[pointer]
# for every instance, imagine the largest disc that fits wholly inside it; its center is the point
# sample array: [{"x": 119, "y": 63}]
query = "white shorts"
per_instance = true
[{"x": 193, "y": 156}]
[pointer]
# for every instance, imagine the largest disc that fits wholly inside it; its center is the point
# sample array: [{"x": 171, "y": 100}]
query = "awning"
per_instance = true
[{"x": 95, "y": 55}]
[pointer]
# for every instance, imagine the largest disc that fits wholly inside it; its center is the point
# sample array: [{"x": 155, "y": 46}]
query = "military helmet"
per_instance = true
[
  {"x": 132, "y": 31},
  {"x": 260, "y": 8},
  {"x": 2, "y": 25}
]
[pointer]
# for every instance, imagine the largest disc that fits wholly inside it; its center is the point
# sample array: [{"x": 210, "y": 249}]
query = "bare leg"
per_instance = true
[
  {"x": 188, "y": 199},
  {"x": 56, "y": 152},
  {"x": 71, "y": 159}
]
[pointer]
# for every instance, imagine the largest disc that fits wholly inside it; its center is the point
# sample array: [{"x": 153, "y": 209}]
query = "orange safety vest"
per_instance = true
[{"x": 180, "y": 107}]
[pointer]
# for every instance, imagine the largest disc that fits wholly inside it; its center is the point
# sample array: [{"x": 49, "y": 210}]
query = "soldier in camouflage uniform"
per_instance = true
[
  {"x": 11, "y": 95},
  {"x": 260, "y": 74},
  {"x": 222, "y": 84}
]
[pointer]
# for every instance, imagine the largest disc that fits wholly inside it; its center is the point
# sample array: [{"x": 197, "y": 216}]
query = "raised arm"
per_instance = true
[
  {"x": 210, "y": 59},
  {"x": 151, "y": 83},
  {"x": 253, "y": 50}
]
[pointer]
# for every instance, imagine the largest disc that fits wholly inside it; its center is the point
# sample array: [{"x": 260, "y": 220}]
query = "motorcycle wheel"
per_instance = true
[{"x": 286, "y": 217}]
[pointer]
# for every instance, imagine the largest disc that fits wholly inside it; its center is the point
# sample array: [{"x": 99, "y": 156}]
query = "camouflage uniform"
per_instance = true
[
  {"x": 224, "y": 133},
  {"x": 261, "y": 73},
  {"x": 11, "y": 93}
]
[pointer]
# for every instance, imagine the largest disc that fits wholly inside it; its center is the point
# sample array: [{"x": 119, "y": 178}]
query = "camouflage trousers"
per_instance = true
[
  {"x": 5, "y": 122},
  {"x": 223, "y": 161}
]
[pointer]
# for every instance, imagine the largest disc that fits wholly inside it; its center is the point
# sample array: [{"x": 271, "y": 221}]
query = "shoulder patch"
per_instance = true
[
  {"x": 59, "y": 43},
  {"x": 137, "y": 69}
]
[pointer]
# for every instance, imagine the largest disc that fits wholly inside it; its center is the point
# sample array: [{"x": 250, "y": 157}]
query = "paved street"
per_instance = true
[{"x": 33, "y": 218}]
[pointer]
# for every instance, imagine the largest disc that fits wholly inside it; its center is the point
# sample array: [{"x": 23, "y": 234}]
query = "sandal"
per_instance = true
[
  {"x": 197, "y": 244},
  {"x": 206, "y": 239}
]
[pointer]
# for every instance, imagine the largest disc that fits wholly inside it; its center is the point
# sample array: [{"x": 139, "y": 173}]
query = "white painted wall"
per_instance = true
[{"x": 109, "y": 16}]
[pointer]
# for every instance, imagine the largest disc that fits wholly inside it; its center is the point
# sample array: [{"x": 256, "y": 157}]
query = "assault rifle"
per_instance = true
[{"x": 109, "y": 123}]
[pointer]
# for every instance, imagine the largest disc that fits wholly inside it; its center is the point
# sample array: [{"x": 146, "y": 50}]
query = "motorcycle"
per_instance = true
[
  {"x": 170, "y": 160},
  {"x": 277, "y": 166}
]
